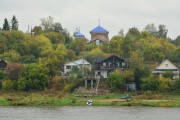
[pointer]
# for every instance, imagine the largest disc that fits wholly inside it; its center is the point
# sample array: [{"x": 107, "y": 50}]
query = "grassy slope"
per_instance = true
[{"x": 113, "y": 99}]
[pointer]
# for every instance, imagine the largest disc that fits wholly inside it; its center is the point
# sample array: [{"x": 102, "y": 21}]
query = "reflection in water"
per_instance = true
[{"x": 89, "y": 113}]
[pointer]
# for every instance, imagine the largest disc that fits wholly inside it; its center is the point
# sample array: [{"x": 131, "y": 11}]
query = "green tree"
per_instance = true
[
  {"x": 14, "y": 23},
  {"x": 47, "y": 23},
  {"x": 176, "y": 85},
  {"x": 115, "y": 45},
  {"x": 177, "y": 41},
  {"x": 140, "y": 73},
  {"x": 116, "y": 80},
  {"x": 6, "y": 25},
  {"x": 151, "y": 28},
  {"x": 2, "y": 74},
  {"x": 37, "y": 30},
  {"x": 162, "y": 31},
  {"x": 55, "y": 37},
  {"x": 34, "y": 78},
  {"x": 150, "y": 83},
  {"x": 165, "y": 84},
  {"x": 57, "y": 27}
]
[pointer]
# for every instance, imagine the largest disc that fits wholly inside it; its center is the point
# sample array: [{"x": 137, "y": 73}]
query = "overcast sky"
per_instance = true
[{"x": 114, "y": 14}]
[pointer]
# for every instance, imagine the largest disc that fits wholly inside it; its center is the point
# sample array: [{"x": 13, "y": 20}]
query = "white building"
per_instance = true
[
  {"x": 166, "y": 66},
  {"x": 80, "y": 63}
]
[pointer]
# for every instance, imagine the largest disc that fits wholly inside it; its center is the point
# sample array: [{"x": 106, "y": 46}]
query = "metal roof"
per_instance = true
[
  {"x": 79, "y": 35},
  {"x": 78, "y": 62},
  {"x": 99, "y": 29}
]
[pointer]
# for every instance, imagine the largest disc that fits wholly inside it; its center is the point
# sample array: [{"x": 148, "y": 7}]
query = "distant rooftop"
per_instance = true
[
  {"x": 79, "y": 34},
  {"x": 99, "y": 29}
]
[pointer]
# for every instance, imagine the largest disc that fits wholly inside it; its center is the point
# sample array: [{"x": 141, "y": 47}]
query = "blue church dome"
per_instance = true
[
  {"x": 79, "y": 35},
  {"x": 99, "y": 29}
]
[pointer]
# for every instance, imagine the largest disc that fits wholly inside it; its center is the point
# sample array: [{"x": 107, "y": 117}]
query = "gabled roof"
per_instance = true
[
  {"x": 78, "y": 62},
  {"x": 99, "y": 29},
  {"x": 97, "y": 60},
  {"x": 166, "y": 65},
  {"x": 79, "y": 34}
]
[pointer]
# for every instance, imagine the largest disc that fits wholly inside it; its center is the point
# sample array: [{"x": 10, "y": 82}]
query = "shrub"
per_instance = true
[
  {"x": 9, "y": 85},
  {"x": 57, "y": 83},
  {"x": 116, "y": 80},
  {"x": 168, "y": 74},
  {"x": 33, "y": 79},
  {"x": 21, "y": 84},
  {"x": 150, "y": 83},
  {"x": 176, "y": 85},
  {"x": 72, "y": 84},
  {"x": 165, "y": 84},
  {"x": 140, "y": 73},
  {"x": 14, "y": 71},
  {"x": 1, "y": 74}
]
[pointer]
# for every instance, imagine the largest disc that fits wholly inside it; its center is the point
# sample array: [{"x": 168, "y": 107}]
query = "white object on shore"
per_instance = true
[{"x": 89, "y": 102}]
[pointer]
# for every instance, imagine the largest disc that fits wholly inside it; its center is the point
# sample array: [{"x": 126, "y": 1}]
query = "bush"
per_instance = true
[
  {"x": 2, "y": 74},
  {"x": 71, "y": 84},
  {"x": 116, "y": 80},
  {"x": 21, "y": 84},
  {"x": 176, "y": 85},
  {"x": 14, "y": 71},
  {"x": 33, "y": 79},
  {"x": 9, "y": 85},
  {"x": 150, "y": 83},
  {"x": 168, "y": 74},
  {"x": 57, "y": 83},
  {"x": 165, "y": 84}
]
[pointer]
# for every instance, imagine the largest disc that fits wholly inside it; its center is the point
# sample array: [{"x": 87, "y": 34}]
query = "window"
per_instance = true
[
  {"x": 99, "y": 73},
  {"x": 97, "y": 42},
  {"x": 166, "y": 65},
  {"x": 104, "y": 64},
  {"x": 68, "y": 67}
]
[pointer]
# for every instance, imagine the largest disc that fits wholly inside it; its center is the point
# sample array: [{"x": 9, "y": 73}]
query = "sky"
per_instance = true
[{"x": 84, "y": 14}]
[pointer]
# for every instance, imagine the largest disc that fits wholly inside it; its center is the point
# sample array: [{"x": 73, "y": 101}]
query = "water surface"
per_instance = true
[{"x": 89, "y": 113}]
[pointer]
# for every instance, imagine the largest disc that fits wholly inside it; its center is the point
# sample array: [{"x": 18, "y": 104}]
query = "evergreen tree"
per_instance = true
[
  {"x": 6, "y": 25},
  {"x": 14, "y": 23}
]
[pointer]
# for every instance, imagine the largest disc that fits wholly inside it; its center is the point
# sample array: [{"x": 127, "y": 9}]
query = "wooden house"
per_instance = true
[{"x": 103, "y": 66}]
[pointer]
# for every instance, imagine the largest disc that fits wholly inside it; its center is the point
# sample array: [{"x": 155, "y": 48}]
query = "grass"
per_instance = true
[{"x": 55, "y": 98}]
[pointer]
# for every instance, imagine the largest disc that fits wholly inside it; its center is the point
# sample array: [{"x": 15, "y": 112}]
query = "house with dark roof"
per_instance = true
[
  {"x": 99, "y": 35},
  {"x": 103, "y": 66},
  {"x": 3, "y": 64}
]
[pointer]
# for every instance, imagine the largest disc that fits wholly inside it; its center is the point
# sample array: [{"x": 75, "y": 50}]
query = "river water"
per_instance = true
[{"x": 89, "y": 113}]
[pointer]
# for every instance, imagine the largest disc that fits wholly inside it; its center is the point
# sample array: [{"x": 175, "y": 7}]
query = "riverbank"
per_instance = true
[{"x": 51, "y": 98}]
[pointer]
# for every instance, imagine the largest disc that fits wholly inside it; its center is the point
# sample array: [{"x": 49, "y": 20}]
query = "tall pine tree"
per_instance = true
[
  {"x": 6, "y": 25},
  {"x": 14, "y": 23}
]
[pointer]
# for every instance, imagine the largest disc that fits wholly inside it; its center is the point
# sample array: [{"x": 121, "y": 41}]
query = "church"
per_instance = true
[{"x": 99, "y": 35}]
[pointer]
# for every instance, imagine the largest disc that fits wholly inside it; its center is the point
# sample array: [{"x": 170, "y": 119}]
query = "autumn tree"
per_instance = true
[
  {"x": 14, "y": 71},
  {"x": 55, "y": 38},
  {"x": 37, "y": 30}
]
